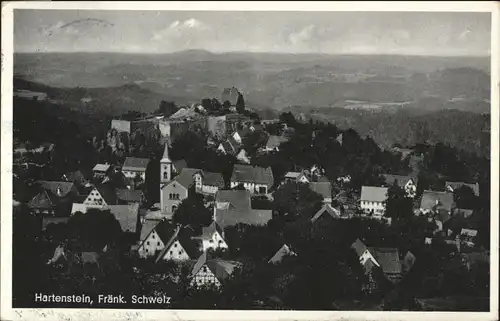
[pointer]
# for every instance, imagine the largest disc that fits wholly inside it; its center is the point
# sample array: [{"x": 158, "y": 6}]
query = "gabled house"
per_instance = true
[
  {"x": 229, "y": 147},
  {"x": 212, "y": 237},
  {"x": 256, "y": 179},
  {"x": 373, "y": 200},
  {"x": 233, "y": 207},
  {"x": 324, "y": 189},
  {"x": 211, "y": 182},
  {"x": 453, "y": 186},
  {"x": 297, "y": 177},
  {"x": 211, "y": 272},
  {"x": 150, "y": 241},
  {"x": 102, "y": 195},
  {"x": 382, "y": 264},
  {"x": 406, "y": 183},
  {"x": 133, "y": 167},
  {"x": 101, "y": 170},
  {"x": 280, "y": 254},
  {"x": 433, "y": 202},
  {"x": 53, "y": 198},
  {"x": 180, "y": 247}
]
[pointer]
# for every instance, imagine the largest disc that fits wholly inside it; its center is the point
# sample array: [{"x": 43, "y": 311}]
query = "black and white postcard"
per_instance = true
[{"x": 272, "y": 161}]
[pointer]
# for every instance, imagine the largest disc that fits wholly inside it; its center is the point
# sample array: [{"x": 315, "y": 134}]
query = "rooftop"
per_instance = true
[
  {"x": 135, "y": 164},
  {"x": 432, "y": 200},
  {"x": 373, "y": 194},
  {"x": 252, "y": 174}
]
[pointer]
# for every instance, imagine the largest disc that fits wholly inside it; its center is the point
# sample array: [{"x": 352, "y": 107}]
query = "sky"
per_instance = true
[{"x": 405, "y": 33}]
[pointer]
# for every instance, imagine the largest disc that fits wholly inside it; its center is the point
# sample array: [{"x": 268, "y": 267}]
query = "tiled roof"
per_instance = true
[
  {"x": 436, "y": 200},
  {"x": 373, "y": 194},
  {"x": 388, "y": 258},
  {"x": 185, "y": 178},
  {"x": 54, "y": 186},
  {"x": 135, "y": 164},
  {"x": 252, "y": 174},
  {"x": 41, "y": 200},
  {"x": 146, "y": 228},
  {"x": 468, "y": 232},
  {"x": 327, "y": 208},
  {"x": 238, "y": 199},
  {"x": 359, "y": 247},
  {"x": 231, "y": 217},
  {"x": 208, "y": 231},
  {"x": 213, "y": 179},
  {"x": 101, "y": 168},
  {"x": 108, "y": 193},
  {"x": 400, "y": 180},
  {"x": 322, "y": 188},
  {"x": 220, "y": 268},
  {"x": 457, "y": 185},
  {"x": 181, "y": 234},
  {"x": 129, "y": 195}
]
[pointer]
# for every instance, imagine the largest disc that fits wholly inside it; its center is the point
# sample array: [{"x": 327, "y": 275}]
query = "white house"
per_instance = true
[
  {"x": 406, "y": 183},
  {"x": 212, "y": 238},
  {"x": 133, "y": 167},
  {"x": 176, "y": 249},
  {"x": 103, "y": 195},
  {"x": 299, "y": 177},
  {"x": 255, "y": 179},
  {"x": 211, "y": 272},
  {"x": 150, "y": 242},
  {"x": 373, "y": 200}
]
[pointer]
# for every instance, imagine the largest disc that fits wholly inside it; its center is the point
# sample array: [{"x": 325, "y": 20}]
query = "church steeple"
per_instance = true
[{"x": 165, "y": 166}]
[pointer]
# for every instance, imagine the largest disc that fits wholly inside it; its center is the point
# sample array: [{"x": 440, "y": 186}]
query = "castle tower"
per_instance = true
[{"x": 166, "y": 166}]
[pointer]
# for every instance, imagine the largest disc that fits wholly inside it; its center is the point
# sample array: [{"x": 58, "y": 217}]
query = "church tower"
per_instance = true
[{"x": 166, "y": 166}]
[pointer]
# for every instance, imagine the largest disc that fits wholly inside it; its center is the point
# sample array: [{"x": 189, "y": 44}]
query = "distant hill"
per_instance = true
[{"x": 272, "y": 80}]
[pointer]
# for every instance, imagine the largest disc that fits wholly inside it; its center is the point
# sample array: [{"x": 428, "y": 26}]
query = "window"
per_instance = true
[
  {"x": 180, "y": 252},
  {"x": 153, "y": 236},
  {"x": 174, "y": 208},
  {"x": 171, "y": 252},
  {"x": 147, "y": 250},
  {"x": 175, "y": 245},
  {"x": 211, "y": 241},
  {"x": 147, "y": 243},
  {"x": 262, "y": 190},
  {"x": 165, "y": 175},
  {"x": 204, "y": 269},
  {"x": 157, "y": 243}
]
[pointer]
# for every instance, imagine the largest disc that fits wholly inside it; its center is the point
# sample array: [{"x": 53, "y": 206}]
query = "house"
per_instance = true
[
  {"x": 101, "y": 170},
  {"x": 433, "y": 202},
  {"x": 406, "y": 183},
  {"x": 129, "y": 196},
  {"x": 102, "y": 195},
  {"x": 453, "y": 186},
  {"x": 324, "y": 189},
  {"x": 280, "y": 254},
  {"x": 273, "y": 143},
  {"x": 126, "y": 215},
  {"x": 173, "y": 192},
  {"x": 373, "y": 200},
  {"x": 229, "y": 147},
  {"x": 256, "y": 179},
  {"x": 212, "y": 237},
  {"x": 468, "y": 236},
  {"x": 242, "y": 157},
  {"x": 211, "y": 272},
  {"x": 298, "y": 177},
  {"x": 326, "y": 212},
  {"x": 179, "y": 247},
  {"x": 382, "y": 262},
  {"x": 440, "y": 218},
  {"x": 150, "y": 241},
  {"x": 77, "y": 178},
  {"x": 233, "y": 207},
  {"x": 462, "y": 212},
  {"x": 53, "y": 198},
  {"x": 133, "y": 167},
  {"x": 211, "y": 182}
]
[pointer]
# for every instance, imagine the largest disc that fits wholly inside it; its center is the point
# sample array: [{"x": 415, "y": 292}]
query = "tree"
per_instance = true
[
  {"x": 207, "y": 104},
  {"x": 398, "y": 204},
  {"x": 288, "y": 118},
  {"x": 465, "y": 198},
  {"x": 296, "y": 200},
  {"x": 167, "y": 108},
  {"x": 193, "y": 212},
  {"x": 240, "y": 104},
  {"x": 226, "y": 105}
]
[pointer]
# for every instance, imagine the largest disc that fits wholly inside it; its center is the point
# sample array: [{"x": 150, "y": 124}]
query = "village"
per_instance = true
[{"x": 197, "y": 211}]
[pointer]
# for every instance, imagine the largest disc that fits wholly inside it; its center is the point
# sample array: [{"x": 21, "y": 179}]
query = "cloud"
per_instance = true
[
  {"x": 179, "y": 29},
  {"x": 304, "y": 35}
]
